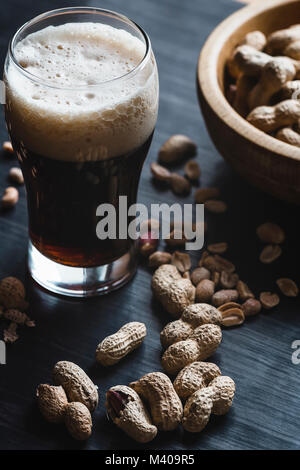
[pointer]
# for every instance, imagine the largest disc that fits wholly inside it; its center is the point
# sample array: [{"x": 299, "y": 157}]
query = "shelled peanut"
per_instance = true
[
  {"x": 265, "y": 72},
  {"x": 216, "y": 284},
  {"x": 176, "y": 149}
]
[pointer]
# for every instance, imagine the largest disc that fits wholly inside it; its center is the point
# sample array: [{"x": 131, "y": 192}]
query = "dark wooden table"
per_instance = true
[{"x": 266, "y": 409}]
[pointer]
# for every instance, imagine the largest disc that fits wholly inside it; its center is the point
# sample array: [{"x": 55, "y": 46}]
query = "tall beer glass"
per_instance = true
[{"x": 81, "y": 107}]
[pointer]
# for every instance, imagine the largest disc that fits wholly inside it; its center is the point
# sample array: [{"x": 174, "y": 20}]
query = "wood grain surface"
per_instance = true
[{"x": 265, "y": 414}]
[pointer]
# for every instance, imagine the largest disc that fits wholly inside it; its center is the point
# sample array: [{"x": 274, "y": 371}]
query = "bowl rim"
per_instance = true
[{"x": 212, "y": 92}]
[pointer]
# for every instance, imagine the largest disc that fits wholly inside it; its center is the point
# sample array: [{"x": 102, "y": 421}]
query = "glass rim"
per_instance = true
[{"x": 68, "y": 10}]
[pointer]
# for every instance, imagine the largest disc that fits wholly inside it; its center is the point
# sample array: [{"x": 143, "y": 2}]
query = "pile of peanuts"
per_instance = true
[
  {"x": 212, "y": 394},
  {"x": 12, "y": 307},
  {"x": 202, "y": 300},
  {"x": 11, "y": 194},
  {"x": 153, "y": 403},
  {"x": 197, "y": 390},
  {"x": 214, "y": 280},
  {"x": 265, "y": 82},
  {"x": 71, "y": 401}
]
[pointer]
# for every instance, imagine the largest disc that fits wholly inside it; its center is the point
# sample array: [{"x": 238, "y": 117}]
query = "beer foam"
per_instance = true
[{"x": 76, "y": 107}]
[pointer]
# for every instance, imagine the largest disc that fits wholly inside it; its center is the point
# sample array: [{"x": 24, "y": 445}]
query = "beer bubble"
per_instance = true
[{"x": 118, "y": 115}]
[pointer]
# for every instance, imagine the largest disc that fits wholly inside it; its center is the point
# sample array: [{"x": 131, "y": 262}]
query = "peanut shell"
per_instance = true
[
  {"x": 77, "y": 385},
  {"x": 158, "y": 258},
  {"x": 78, "y": 421},
  {"x": 115, "y": 347},
  {"x": 166, "y": 408},
  {"x": 12, "y": 293},
  {"x": 52, "y": 401},
  {"x": 131, "y": 414},
  {"x": 195, "y": 376}
]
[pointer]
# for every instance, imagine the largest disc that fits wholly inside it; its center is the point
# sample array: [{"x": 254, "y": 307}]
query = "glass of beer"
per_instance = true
[{"x": 81, "y": 108}]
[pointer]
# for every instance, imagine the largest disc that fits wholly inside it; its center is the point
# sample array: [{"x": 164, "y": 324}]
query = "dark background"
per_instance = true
[{"x": 257, "y": 355}]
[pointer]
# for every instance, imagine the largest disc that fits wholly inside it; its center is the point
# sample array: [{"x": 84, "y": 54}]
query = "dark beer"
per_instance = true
[{"x": 62, "y": 201}]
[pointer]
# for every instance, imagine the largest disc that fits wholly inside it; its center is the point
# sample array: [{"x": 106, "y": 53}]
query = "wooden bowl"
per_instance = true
[{"x": 268, "y": 163}]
